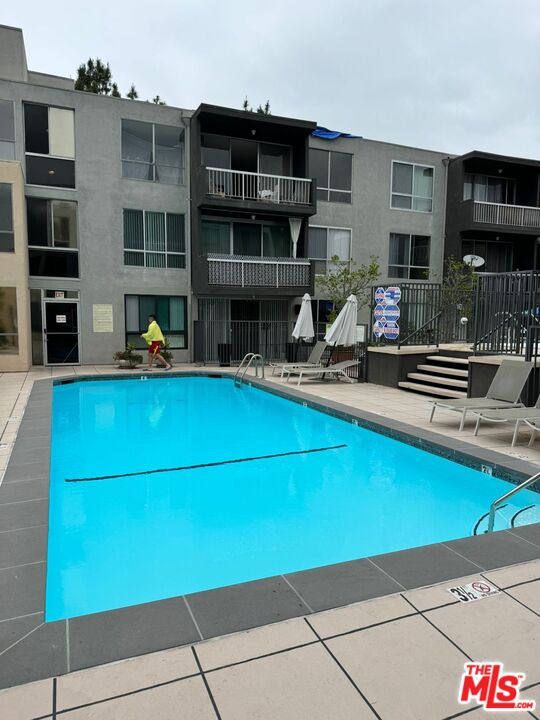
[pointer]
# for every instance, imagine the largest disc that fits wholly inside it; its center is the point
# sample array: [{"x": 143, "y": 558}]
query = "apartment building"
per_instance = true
[
  {"x": 216, "y": 220},
  {"x": 105, "y": 229},
  {"x": 493, "y": 211}
]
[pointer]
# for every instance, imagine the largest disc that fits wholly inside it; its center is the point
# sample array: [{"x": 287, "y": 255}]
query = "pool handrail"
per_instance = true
[
  {"x": 249, "y": 357},
  {"x": 509, "y": 494}
]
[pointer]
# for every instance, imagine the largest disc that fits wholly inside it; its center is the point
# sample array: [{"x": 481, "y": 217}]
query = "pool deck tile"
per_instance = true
[
  {"x": 106, "y": 681},
  {"x": 29, "y": 490},
  {"x": 388, "y": 661},
  {"x": 246, "y": 605},
  {"x": 359, "y": 615},
  {"x": 24, "y": 515},
  {"x": 514, "y": 574},
  {"x": 27, "y": 702},
  {"x": 341, "y": 584},
  {"x": 253, "y": 643},
  {"x": 22, "y": 590},
  {"x": 424, "y": 566},
  {"x": 31, "y": 470},
  {"x": 117, "y": 634},
  {"x": 22, "y": 546},
  {"x": 305, "y": 683},
  {"x": 11, "y": 631},
  {"x": 41, "y": 652},
  {"x": 496, "y": 628},
  {"x": 496, "y": 549},
  {"x": 531, "y": 533},
  {"x": 528, "y": 595},
  {"x": 186, "y": 699}
]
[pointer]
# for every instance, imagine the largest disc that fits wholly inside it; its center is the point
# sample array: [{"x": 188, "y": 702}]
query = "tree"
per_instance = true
[
  {"x": 158, "y": 101},
  {"x": 349, "y": 278},
  {"x": 96, "y": 77},
  {"x": 261, "y": 110},
  {"x": 132, "y": 94}
]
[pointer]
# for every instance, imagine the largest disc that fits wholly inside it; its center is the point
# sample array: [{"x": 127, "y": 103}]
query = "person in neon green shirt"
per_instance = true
[{"x": 154, "y": 338}]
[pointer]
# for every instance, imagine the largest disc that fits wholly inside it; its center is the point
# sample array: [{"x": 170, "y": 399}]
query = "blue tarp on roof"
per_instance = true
[{"x": 326, "y": 134}]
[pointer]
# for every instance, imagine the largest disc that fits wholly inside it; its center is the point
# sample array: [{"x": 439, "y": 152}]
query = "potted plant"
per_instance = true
[{"x": 128, "y": 358}]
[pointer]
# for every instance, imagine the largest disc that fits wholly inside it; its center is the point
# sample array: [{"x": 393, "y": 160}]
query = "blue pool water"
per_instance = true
[{"x": 132, "y": 539}]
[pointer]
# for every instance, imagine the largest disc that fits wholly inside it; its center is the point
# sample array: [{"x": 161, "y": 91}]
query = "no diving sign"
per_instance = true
[{"x": 476, "y": 590}]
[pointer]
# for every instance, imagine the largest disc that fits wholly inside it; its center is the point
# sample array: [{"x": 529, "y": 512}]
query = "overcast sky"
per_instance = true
[{"x": 450, "y": 76}]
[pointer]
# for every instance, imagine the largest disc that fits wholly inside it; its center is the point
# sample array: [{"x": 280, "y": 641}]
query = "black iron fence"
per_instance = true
[
  {"x": 430, "y": 313},
  {"x": 225, "y": 343}
]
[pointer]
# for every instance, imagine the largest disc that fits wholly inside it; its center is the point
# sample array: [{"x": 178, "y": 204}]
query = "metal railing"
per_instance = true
[
  {"x": 241, "y": 185},
  {"x": 244, "y": 271},
  {"x": 431, "y": 314},
  {"x": 501, "y": 214},
  {"x": 496, "y": 503},
  {"x": 227, "y": 342}
]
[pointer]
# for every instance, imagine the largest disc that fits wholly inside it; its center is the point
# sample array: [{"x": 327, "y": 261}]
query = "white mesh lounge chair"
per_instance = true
[
  {"x": 314, "y": 359},
  {"x": 528, "y": 415},
  {"x": 504, "y": 391},
  {"x": 338, "y": 370}
]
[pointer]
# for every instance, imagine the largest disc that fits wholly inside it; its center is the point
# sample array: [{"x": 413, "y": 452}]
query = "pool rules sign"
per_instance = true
[{"x": 386, "y": 313}]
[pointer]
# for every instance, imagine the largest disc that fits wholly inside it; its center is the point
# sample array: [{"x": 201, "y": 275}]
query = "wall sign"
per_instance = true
[
  {"x": 59, "y": 294},
  {"x": 387, "y": 312},
  {"x": 60, "y": 319},
  {"x": 102, "y": 316}
]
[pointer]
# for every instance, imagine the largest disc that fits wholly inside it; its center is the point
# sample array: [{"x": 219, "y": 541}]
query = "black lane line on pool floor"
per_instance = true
[{"x": 206, "y": 465}]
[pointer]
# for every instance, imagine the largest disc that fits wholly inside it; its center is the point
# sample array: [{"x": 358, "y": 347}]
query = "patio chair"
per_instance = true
[
  {"x": 314, "y": 359},
  {"x": 338, "y": 370},
  {"x": 504, "y": 391},
  {"x": 528, "y": 415}
]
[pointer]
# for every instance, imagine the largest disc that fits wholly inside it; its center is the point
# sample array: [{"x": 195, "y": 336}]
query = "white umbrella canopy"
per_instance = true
[
  {"x": 343, "y": 330},
  {"x": 304, "y": 324}
]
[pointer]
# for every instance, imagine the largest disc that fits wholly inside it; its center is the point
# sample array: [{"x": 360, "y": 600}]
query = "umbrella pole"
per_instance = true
[{"x": 297, "y": 347}]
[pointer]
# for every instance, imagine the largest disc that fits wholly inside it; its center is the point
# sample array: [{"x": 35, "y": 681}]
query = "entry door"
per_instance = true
[
  {"x": 245, "y": 328},
  {"x": 61, "y": 333}
]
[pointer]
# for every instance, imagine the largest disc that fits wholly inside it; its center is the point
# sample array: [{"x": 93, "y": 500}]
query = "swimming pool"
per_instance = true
[{"x": 170, "y": 486}]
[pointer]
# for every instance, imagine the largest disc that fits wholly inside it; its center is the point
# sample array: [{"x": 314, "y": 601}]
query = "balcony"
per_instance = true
[
  {"x": 515, "y": 216},
  {"x": 255, "y": 192},
  {"x": 239, "y": 271}
]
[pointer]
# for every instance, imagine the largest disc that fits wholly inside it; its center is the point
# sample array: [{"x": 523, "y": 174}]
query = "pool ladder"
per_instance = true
[
  {"x": 247, "y": 361},
  {"x": 495, "y": 504}
]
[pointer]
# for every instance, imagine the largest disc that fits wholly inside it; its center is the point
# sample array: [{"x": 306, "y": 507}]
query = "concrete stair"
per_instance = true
[{"x": 439, "y": 376}]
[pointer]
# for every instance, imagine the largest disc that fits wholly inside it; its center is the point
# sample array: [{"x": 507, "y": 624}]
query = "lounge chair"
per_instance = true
[
  {"x": 314, "y": 359},
  {"x": 504, "y": 391},
  {"x": 320, "y": 372},
  {"x": 528, "y": 415}
]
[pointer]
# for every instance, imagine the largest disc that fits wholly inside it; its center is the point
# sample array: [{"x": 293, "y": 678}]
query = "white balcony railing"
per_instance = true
[
  {"x": 500, "y": 214},
  {"x": 241, "y": 185},
  {"x": 242, "y": 271}
]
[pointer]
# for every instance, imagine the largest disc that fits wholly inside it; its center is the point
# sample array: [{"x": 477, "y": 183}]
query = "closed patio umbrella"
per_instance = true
[
  {"x": 303, "y": 328},
  {"x": 343, "y": 330}
]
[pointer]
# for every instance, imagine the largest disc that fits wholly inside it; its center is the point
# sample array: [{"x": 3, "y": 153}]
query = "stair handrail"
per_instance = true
[
  {"x": 258, "y": 361},
  {"x": 411, "y": 335},
  {"x": 525, "y": 484}
]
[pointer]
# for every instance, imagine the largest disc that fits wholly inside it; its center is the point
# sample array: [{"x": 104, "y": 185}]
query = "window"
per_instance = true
[
  {"x": 408, "y": 256},
  {"x": 324, "y": 243},
  {"x": 489, "y": 189},
  {"x": 248, "y": 239},
  {"x": 412, "y": 187},
  {"x": 333, "y": 172},
  {"x": 152, "y": 152},
  {"x": 221, "y": 151},
  {"x": 7, "y": 238},
  {"x": 9, "y": 339},
  {"x": 320, "y": 310},
  {"x": 51, "y": 223},
  {"x": 7, "y": 130},
  {"x": 52, "y": 238},
  {"x": 171, "y": 314},
  {"x": 49, "y": 136},
  {"x": 154, "y": 239}
]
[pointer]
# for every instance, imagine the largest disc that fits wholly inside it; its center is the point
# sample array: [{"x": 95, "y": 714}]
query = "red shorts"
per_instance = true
[{"x": 154, "y": 347}]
